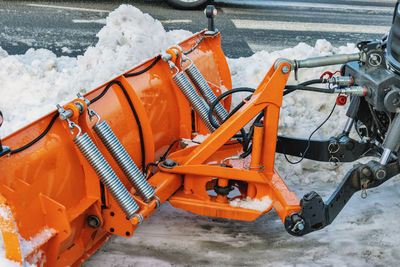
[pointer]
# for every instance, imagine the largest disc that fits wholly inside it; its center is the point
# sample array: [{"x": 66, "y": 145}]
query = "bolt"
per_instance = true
[
  {"x": 300, "y": 226},
  {"x": 93, "y": 221},
  {"x": 366, "y": 171},
  {"x": 169, "y": 163},
  {"x": 380, "y": 174},
  {"x": 285, "y": 69}
]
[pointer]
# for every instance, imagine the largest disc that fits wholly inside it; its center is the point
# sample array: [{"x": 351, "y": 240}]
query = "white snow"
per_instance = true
[
  {"x": 365, "y": 233},
  {"x": 253, "y": 204},
  {"x": 28, "y": 246},
  {"x": 38, "y": 79}
]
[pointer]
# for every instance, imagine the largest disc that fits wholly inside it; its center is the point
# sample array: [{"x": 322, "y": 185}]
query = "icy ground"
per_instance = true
[{"x": 364, "y": 234}]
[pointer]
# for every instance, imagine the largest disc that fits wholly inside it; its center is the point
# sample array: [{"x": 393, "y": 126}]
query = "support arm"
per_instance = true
[{"x": 315, "y": 214}]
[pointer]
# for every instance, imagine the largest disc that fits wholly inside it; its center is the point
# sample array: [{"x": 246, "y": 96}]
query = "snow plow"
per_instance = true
[{"x": 165, "y": 131}]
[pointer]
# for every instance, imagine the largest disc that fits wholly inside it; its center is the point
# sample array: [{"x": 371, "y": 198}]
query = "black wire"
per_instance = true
[
  {"x": 314, "y": 81},
  {"x": 308, "y": 88},
  {"x": 144, "y": 70},
  {"x": 146, "y": 170},
  {"x": 194, "y": 47},
  {"x": 142, "y": 146},
  {"x": 163, "y": 157},
  {"x": 309, "y": 138},
  {"x": 103, "y": 92},
  {"x": 376, "y": 121},
  {"x": 222, "y": 96},
  {"x": 53, "y": 119}
]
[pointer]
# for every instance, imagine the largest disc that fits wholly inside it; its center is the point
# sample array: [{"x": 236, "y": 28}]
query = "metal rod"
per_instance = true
[{"x": 327, "y": 60}]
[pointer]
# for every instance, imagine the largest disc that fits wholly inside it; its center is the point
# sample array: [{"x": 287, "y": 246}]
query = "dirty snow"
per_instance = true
[
  {"x": 364, "y": 234},
  {"x": 253, "y": 204}
]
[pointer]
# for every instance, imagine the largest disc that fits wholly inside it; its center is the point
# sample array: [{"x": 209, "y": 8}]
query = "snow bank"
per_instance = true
[{"x": 37, "y": 80}]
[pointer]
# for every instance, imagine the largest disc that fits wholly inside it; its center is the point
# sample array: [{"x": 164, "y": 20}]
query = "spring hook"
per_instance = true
[
  {"x": 124, "y": 160},
  {"x": 173, "y": 67},
  {"x": 73, "y": 125},
  {"x": 93, "y": 113}
]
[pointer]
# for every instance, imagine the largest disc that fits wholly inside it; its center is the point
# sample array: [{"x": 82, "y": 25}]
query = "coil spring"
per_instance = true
[
  {"x": 124, "y": 161},
  {"x": 201, "y": 84},
  {"x": 195, "y": 100},
  {"x": 106, "y": 174}
]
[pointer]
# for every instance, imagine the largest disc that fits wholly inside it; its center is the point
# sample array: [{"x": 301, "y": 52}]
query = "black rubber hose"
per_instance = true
[
  {"x": 34, "y": 141},
  {"x": 222, "y": 96},
  {"x": 308, "y": 88},
  {"x": 144, "y": 70},
  {"x": 142, "y": 146},
  {"x": 314, "y": 81}
]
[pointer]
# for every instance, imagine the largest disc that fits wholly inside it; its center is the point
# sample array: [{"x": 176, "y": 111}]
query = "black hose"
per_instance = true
[
  {"x": 222, "y": 96},
  {"x": 309, "y": 139},
  {"x": 142, "y": 146},
  {"x": 34, "y": 141},
  {"x": 144, "y": 70},
  {"x": 314, "y": 81},
  {"x": 308, "y": 88}
]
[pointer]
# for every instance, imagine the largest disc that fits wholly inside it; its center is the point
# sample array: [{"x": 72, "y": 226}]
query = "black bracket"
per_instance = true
[
  {"x": 336, "y": 149},
  {"x": 315, "y": 214}
]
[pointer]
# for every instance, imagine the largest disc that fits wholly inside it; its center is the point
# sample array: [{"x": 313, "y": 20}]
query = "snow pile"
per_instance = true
[
  {"x": 37, "y": 80},
  {"x": 253, "y": 204}
]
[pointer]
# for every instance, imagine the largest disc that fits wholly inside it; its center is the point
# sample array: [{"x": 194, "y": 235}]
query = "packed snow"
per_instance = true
[
  {"x": 365, "y": 233},
  {"x": 263, "y": 204}
]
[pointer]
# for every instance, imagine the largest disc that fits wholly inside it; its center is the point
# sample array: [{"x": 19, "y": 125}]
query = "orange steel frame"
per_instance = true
[{"x": 51, "y": 185}]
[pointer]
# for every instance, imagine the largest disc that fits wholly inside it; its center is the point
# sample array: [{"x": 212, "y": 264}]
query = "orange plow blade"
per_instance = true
[{"x": 66, "y": 186}]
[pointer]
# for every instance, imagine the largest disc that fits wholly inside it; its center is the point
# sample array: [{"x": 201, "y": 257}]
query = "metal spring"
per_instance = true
[
  {"x": 195, "y": 100},
  {"x": 201, "y": 84},
  {"x": 124, "y": 161},
  {"x": 107, "y": 175}
]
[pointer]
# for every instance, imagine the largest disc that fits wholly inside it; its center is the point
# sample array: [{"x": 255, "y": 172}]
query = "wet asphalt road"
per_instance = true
[{"x": 69, "y": 27}]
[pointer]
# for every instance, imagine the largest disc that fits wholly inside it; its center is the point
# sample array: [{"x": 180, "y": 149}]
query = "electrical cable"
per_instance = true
[
  {"x": 194, "y": 47},
  {"x": 308, "y": 88},
  {"x": 309, "y": 138},
  {"x": 314, "y": 81},
  {"x": 144, "y": 70},
  {"x": 34, "y": 141},
  {"x": 376, "y": 121},
  {"x": 140, "y": 130}
]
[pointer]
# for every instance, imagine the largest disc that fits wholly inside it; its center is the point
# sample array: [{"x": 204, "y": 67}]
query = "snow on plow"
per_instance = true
[{"x": 103, "y": 163}]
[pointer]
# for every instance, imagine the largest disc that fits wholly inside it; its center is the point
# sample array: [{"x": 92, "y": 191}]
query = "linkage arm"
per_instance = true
[{"x": 315, "y": 214}]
